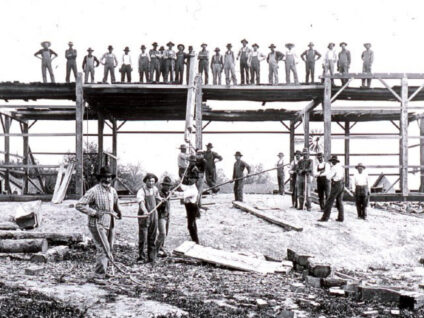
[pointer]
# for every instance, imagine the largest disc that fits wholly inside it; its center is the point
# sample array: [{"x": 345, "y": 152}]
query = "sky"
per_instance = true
[{"x": 391, "y": 27}]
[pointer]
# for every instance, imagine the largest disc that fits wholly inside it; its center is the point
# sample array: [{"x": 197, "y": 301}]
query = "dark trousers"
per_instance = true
[
  {"x": 280, "y": 179},
  {"x": 109, "y": 69},
  {"x": 255, "y": 71},
  {"x": 238, "y": 190},
  {"x": 310, "y": 71},
  {"x": 126, "y": 70},
  {"x": 294, "y": 190},
  {"x": 103, "y": 240},
  {"x": 169, "y": 70},
  {"x": 192, "y": 211},
  {"x": 47, "y": 66},
  {"x": 210, "y": 175},
  {"x": 144, "y": 73},
  {"x": 361, "y": 198},
  {"x": 343, "y": 69},
  {"x": 204, "y": 68},
  {"x": 366, "y": 68},
  {"x": 154, "y": 70},
  {"x": 181, "y": 172},
  {"x": 179, "y": 72},
  {"x": 244, "y": 72},
  {"x": 323, "y": 187},
  {"x": 147, "y": 232},
  {"x": 336, "y": 194},
  {"x": 71, "y": 65}
]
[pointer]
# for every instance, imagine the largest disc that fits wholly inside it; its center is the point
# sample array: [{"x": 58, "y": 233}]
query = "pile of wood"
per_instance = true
[{"x": 401, "y": 207}]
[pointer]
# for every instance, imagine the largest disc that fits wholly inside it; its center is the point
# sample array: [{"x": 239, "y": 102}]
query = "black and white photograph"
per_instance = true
[{"x": 199, "y": 158}]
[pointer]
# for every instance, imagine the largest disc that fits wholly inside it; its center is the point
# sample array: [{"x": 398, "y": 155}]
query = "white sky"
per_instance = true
[{"x": 391, "y": 26}]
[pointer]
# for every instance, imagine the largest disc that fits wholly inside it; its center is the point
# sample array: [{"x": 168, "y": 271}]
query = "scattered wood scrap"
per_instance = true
[
  {"x": 23, "y": 246},
  {"x": 8, "y": 226},
  {"x": 231, "y": 260},
  {"x": 54, "y": 254},
  {"x": 263, "y": 215},
  {"x": 51, "y": 237}
]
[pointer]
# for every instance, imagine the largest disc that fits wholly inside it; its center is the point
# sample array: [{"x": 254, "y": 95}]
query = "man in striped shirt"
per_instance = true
[{"x": 100, "y": 203}]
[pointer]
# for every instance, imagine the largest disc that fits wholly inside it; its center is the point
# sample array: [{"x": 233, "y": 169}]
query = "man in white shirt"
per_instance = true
[
  {"x": 361, "y": 190},
  {"x": 330, "y": 60},
  {"x": 322, "y": 169},
  {"x": 126, "y": 67},
  {"x": 293, "y": 177},
  {"x": 336, "y": 176},
  {"x": 183, "y": 161},
  {"x": 280, "y": 173}
]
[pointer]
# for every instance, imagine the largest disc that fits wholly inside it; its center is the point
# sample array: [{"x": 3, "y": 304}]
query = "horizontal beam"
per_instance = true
[
  {"x": 38, "y": 135},
  {"x": 375, "y": 76},
  {"x": 39, "y": 106},
  {"x": 28, "y": 166}
]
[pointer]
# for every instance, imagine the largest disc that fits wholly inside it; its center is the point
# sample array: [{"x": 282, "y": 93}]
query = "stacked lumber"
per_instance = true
[{"x": 230, "y": 260}]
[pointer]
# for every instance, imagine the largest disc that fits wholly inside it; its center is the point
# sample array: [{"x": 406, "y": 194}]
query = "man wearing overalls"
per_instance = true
[
  {"x": 304, "y": 173},
  {"x": 291, "y": 61},
  {"x": 254, "y": 61},
  {"x": 343, "y": 63},
  {"x": 163, "y": 215},
  {"x": 147, "y": 198},
  {"x": 367, "y": 58},
  {"x": 144, "y": 64},
  {"x": 293, "y": 177},
  {"x": 217, "y": 65},
  {"x": 88, "y": 65},
  {"x": 229, "y": 66},
  {"x": 273, "y": 58},
  {"x": 46, "y": 55},
  {"x": 169, "y": 58},
  {"x": 154, "y": 63},
  {"x": 310, "y": 56},
  {"x": 179, "y": 64},
  {"x": 243, "y": 55},
  {"x": 110, "y": 62},
  {"x": 203, "y": 58},
  {"x": 71, "y": 62}
]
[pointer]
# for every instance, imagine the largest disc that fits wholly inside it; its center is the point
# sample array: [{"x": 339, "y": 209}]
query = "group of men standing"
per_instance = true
[
  {"x": 330, "y": 181},
  {"x": 169, "y": 64}
]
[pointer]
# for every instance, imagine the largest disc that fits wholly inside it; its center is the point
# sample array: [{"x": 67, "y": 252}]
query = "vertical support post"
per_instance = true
[
  {"x": 191, "y": 90},
  {"x": 114, "y": 146},
  {"x": 7, "y": 121},
  {"x": 403, "y": 145},
  {"x": 79, "y": 117},
  {"x": 25, "y": 130},
  {"x": 199, "y": 125},
  {"x": 100, "y": 128},
  {"x": 327, "y": 117},
  {"x": 347, "y": 152},
  {"x": 306, "y": 130},
  {"x": 292, "y": 133},
  {"x": 421, "y": 154}
]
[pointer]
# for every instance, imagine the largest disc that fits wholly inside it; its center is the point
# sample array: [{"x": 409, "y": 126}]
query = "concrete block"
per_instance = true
[
  {"x": 313, "y": 281},
  {"x": 377, "y": 293},
  {"x": 351, "y": 288},
  {"x": 329, "y": 282},
  {"x": 411, "y": 300},
  {"x": 319, "y": 270},
  {"x": 34, "y": 270},
  {"x": 261, "y": 302},
  {"x": 297, "y": 287}
]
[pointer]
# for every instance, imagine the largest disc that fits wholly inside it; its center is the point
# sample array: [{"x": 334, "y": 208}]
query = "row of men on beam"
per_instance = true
[
  {"x": 170, "y": 64},
  {"x": 330, "y": 180}
]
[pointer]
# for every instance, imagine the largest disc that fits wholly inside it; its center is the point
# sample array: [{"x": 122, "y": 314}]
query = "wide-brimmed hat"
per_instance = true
[
  {"x": 209, "y": 145},
  {"x": 182, "y": 147},
  {"x": 334, "y": 158},
  {"x": 150, "y": 176},
  {"x": 319, "y": 154},
  {"x": 166, "y": 181},
  {"x": 245, "y": 41},
  {"x": 142, "y": 46},
  {"x": 127, "y": 49},
  {"x": 365, "y": 44},
  {"x": 161, "y": 48},
  {"x": 90, "y": 49},
  {"x": 288, "y": 45},
  {"x": 297, "y": 152},
  {"x": 181, "y": 45},
  {"x": 155, "y": 44},
  {"x": 110, "y": 47},
  {"x": 229, "y": 45},
  {"x": 343, "y": 43},
  {"x": 255, "y": 44},
  {"x": 280, "y": 154},
  {"x": 217, "y": 49},
  {"x": 238, "y": 153},
  {"x": 170, "y": 43},
  {"x": 105, "y": 172},
  {"x": 46, "y": 42},
  {"x": 190, "y": 47},
  {"x": 203, "y": 44},
  {"x": 331, "y": 43},
  {"x": 70, "y": 43},
  {"x": 272, "y": 46},
  {"x": 311, "y": 44},
  {"x": 359, "y": 165},
  {"x": 192, "y": 158}
]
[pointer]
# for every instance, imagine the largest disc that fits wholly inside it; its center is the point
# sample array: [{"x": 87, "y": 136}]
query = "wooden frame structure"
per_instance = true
[{"x": 114, "y": 105}]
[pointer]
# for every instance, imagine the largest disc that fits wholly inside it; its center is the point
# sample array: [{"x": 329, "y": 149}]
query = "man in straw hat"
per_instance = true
[
  {"x": 211, "y": 158},
  {"x": 229, "y": 66},
  {"x": 179, "y": 64},
  {"x": 155, "y": 57},
  {"x": 336, "y": 177},
  {"x": 144, "y": 65},
  {"x": 182, "y": 160},
  {"x": 243, "y": 55},
  {"x": 163, "y": 215},
  {"x": 293, "y": 178},
  {"x": 217, "y": 65},
  {"x": 126, "y": 67},
  {"x": 273, "y": 58},
  {"x": 46, "y": 55},
  {"x": 100, "y": 204},
  {"x": 330, "y": 60},
  {"x": 71, "y": 61},
  {"x": 254, "y": 62},
  {"x": 147, "y": 198},
  {"x": 109, "y": 61},
  {"x": 367, "y": 60},
  {"x": 343, "y": 63},
  {"x": 310, "y": 56},
  {"x": 291, "y": 60},
  {"x": 89, "y": 63},
  {"x": 238, "y": 172},
  {"x": 169, "y": 58},
  {"x": 361, "y": 190},
  {"x": 322, "y": 169},
  {"x": 280, "y": 173},
  {"x": 304, "y": 172},
  {"x": 203, "y": 58}
]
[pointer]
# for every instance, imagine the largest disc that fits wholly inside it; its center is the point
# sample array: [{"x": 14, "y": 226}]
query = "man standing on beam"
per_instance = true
[
  {"x": 110, "y": 62},
  {"x": 46, "y": 55},
  {"x": 238, "y": 172},
  {"x": 343, "y": 63},
  {"x": 310, "y": 56},
  {"x": 203, "y": 58},
  {"x": 367, "y": 59},
  {"x": 243, "y": 55}
]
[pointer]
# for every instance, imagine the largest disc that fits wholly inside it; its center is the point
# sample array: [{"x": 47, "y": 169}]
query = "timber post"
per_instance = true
[
  {"x": 421, "y": 123},
  {"x": 347, "y": 152},
  {"x": 326, "y": 105},
  {"x": 292, "y": 134},
  {"x": 199, "y": 124},
  {"x": 403, "y": 145},
  {"x": 306, "y": 129},
  {"x": 191, "y": 96},
  {"x": 100, "y": 128},
  {"x": 7, "y": 122},
  {"x": 25, "y": 160},
  {"x": 79, "y": 117},
  {"x": 114, "y": 146}
]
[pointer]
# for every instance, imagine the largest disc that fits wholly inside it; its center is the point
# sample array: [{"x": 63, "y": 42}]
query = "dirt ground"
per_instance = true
[{"x": 384, "y": 250}]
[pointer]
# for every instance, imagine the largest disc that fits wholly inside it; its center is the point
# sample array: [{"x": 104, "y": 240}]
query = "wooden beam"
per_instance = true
[
  {"x": 114, "y": 146},
  {"x": 347, "y": 152},
  {"x": 7, "y": 121},
  {"x": 37, "y": 135},
  {"x": 309, "y": 107},
  {"x": 327, "y": 118},
  {"x": 415, "y": 93},
  {"x": 292, "y": 133},
  {"x": 306, "y": 130},
  {"x": 79, "y": 148},
  {"x": 403, "y": 145},
  {"x": 191, "y": 93},
  {"x": 333, "y": 98},
  {"x": 120, "y": 125},
  {"x": 394, "y": 124},
  {"x": 100, "y": 127},
  {"x": 206, "y": 125},
  {"x": 25, "y": 161},
  {"x": 390, "y": 90},
  {"x": 375, "y": 75},
  {"x": 285, "y": 125},
  {"x": 107, "y": 124},
  {"x": 421, "y": 122},
  {"x": 32, "y": 124},
  {"x": 199, "y": 124},
  {"x": 36, "y": 166}
]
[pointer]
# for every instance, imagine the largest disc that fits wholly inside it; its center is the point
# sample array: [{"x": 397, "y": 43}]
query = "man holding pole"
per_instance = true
[
  {"x": 305, "y": 168},
  {"x": 238, "y": 172},
  {"x": 100, "y": 203}
]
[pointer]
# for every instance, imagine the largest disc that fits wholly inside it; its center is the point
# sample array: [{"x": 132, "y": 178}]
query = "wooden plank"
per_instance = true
[
  {"x": 327, "y": 118},
  {"x": 100, "y": 127},
  {"x": 260, "y": 214},
  {"x": 7, "y": 122},
  {"x": 59, "y": 179},
  {"x": 79, "y": 148},
  {"x": 53, "y": 238},
  {"x": 199, "y": 124},
  {"x": 421, "y": 123},
  {"x": 65, "y": 183},
  {"x": 37, "y": 135},
  {"x": 191, "y": 93},
  {"x": 25, "y": 145},
  {"x": 22, "y": 166},
  {"x": 375, "y": 75},
  {"x": 403, "y": 145},
  {"x": 333, "y": 98},
  {"x": 292, "y": 137},
  {"x": 306, "y": 130},
  {"x": 347, "y": 152}
]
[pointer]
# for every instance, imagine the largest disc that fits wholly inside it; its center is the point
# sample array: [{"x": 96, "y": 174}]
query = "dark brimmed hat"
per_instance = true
[
  {"x": 334, "y": 158},
  {"x": 288, "y": 45},
  {"x": 229, "y": 45},
  {"x": 272, "y": 46},
  {"x": 255, "y": 44},
  {"x": 150, "y": 176},
  {"x": 192, "y": 158},
  {"x": 280, "y": 154},
  {"x": 142, "y": 46},
  {"x": 217, "y": 49},
  {"x": 190, "y": 47},
  {"x": 167, "y": 181},
  {"x": 343, "y": 43},
  {"x": 181, "y": 45},
  {"x": 46, "y": 42},
  {"x": 70, "y": 43},
  {"x": 170, "y": 43},
  {"x": 238, "y": 153},
  {"x": 110, "y": 47},
  {"x": 331, "y": 43},
  {"x": 297, "y": 152},
  {"x": 365, "y": 44},
  {"x": 311, "y": 44},
  {"x": 319, "y": 154},
  {"x": 245, "y": 41},
  {"x": 182, "y": 147},
  {"x": 155, "y": 44},
  {"x": 203, "y": 44},
  {"x": 360, "y": 165},
  {"x": 161, "y": 48},
  {"x": 90, "y": 49},
  {"x": 127, "y": 49},
  {"x": 105, "y": 172},
  {"x": 209, "y": 145}
]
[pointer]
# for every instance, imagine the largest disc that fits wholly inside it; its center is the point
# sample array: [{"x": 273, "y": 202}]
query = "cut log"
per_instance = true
[
  {"x": 23, "y": 246},
  {"x": 51, "y": 237},
  {"x": 54, "y": 254},
  {"x": 265, "y": 216},
  {"x": 8, "y": 226}
]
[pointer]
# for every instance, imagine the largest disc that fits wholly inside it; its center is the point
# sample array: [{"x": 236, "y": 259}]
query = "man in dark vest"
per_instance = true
[
  {"x": 305, "y": 169},
  {"x": 238, "y": 172},
  {"x": 110, "y": 62},
  {"x": 211, "y": 158},
  {"x": 89, "y": 64},
  {"x": 310, "y": 56}
]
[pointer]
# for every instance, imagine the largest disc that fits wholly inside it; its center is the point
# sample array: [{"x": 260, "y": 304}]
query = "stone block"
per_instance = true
[
  {"x": 384, "y": 295},
  {"x": 329, "y": 282},
  {"x": 34, "y": 270},
  {"x": 313, "y": 281},
  {"x": 319, "y": 270},
  {"x": 411, "y": 300}
]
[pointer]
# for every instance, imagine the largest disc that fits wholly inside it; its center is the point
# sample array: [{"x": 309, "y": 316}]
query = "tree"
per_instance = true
[
  {"x": 132, "y": 175},
  {"x": 263, "y": 178}
]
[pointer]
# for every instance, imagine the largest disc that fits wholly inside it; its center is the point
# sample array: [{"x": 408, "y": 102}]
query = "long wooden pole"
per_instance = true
[
  {"x": 190, "y": 98},
  {"x": 403, "y": 145},
  {"x": 327, "y": 118},
  {"x": 79, "y": 118},
  {"x": 347, "y": 152},
  {"x": 421, "y": 121},
  {"x": 292, "y": 135},
  {"x": 306, "y": 130},
  {"x": 100, "y": 127},
  {"x": 25, "y": 145},
  {"x": 114, "y": 146},
  {"x": 199, "y": 124},
  {"x": 7, "y": 121}
]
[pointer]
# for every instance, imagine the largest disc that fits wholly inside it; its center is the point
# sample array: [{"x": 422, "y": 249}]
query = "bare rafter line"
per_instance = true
[
  {"x": 341, "y": 90},
  {"x": 32, "y": 124},
  {"x": 343, "y": 127},
  {"x": 390, "y": 89},
  {"x": 394, "y": 124},
  {"x": 353, "y": 125},
  {"x": 393, "y": 184},
  {"x": 285, "y": 125},
  {"x": 297, "y": 125},
  {"x": 122, "y": 124},
  {"x": 206, "y": 125},
  {"x": 107, "y": 124},
  {"x": 416, "y": 92}
]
